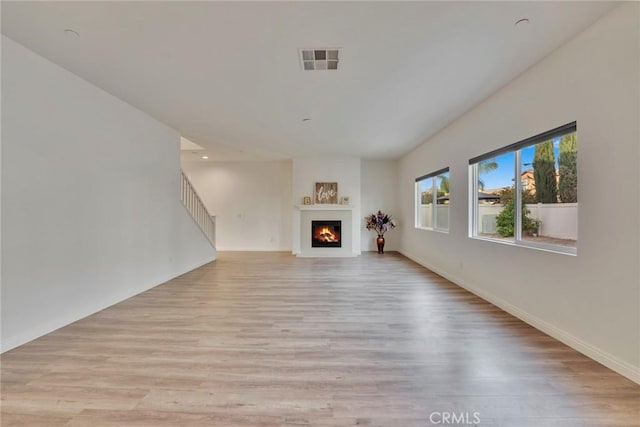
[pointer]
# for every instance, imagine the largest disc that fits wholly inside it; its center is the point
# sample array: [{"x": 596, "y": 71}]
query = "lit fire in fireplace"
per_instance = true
[{"x": 326, "y": 234}]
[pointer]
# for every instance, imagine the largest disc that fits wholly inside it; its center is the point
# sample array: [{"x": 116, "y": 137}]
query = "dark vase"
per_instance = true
[{"x": 380, "y": 243}]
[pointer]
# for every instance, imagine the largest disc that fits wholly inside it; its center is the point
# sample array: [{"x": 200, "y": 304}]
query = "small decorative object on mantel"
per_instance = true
[
  {"x": 326, "y": 193},
  {"x": 380, "y": 223},
  {"x": 344, "y": 200},
  {"x": 306, "y": 200}
]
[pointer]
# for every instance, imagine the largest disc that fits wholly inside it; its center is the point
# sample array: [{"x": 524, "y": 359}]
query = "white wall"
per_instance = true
[
  {"x": 251, "y": 201},
  {"x": 379, "y": 181},
  {"x": 90, "y": 199},
  {"x": 590, "y": 301},
  {"x": 343, "y": 170}
]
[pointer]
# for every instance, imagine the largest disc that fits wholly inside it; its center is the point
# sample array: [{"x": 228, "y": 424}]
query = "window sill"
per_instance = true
[
  {"x": 437, "y": 230},
  {"x": 563, "y": 250}
]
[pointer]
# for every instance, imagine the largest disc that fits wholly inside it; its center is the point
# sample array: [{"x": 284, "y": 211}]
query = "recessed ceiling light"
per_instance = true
[
  {"x": 205, "y": 157},
  {"x": 71, "y": 33},
  {"x": 522, "y": 22}
]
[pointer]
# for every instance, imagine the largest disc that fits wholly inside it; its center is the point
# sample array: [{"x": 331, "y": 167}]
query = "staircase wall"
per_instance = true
[{"x": 91, "y": 211}]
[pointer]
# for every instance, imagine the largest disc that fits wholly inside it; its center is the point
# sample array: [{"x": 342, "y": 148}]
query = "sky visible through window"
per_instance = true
[
  {"x": 503, "y": 175},
  {"x": 426, "y": 184}
]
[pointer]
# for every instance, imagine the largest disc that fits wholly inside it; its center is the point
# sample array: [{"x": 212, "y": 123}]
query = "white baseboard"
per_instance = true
[{"x": 623, "y": 368}]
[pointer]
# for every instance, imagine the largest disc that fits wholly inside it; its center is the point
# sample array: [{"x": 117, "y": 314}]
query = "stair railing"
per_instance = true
[{"x": 196, "y": 208}]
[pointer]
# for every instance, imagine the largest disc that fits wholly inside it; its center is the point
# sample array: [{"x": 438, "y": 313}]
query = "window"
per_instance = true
[
  {"x": 540, "y": 208},
  {"x": 432, "y": 201}
]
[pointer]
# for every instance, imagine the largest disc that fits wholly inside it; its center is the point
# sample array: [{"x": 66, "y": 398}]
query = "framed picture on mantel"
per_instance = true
[{"x": 326, "y": 193}]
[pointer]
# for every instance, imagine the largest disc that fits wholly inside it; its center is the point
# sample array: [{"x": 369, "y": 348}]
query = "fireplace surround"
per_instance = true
[{"x": 303, "y": 218}]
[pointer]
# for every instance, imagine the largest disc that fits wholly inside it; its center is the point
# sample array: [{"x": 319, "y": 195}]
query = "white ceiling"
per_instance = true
[{"x": 227, "y": 74}]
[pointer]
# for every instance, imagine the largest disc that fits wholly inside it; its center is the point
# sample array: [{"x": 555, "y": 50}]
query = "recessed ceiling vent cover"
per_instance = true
[{"x": 319, "y": 59}]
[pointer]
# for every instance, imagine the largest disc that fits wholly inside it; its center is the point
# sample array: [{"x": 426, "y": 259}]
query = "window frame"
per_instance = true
[
  {"x": 434, "y": 206},
  {"x": 474, "y": 188}
]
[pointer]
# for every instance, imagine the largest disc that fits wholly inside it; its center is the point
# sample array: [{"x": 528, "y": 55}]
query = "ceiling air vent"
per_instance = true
[{"x": 319, "y": 59}]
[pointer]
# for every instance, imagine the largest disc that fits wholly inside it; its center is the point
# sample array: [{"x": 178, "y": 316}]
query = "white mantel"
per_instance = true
[{"x": 325, "y": 207}]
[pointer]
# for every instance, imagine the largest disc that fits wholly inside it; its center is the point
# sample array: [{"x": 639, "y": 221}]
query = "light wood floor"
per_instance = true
[{"x": 267, "y": 339}]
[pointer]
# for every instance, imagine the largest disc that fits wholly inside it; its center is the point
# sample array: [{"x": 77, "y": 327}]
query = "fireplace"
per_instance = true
[{"x": 326, "y": 234}]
